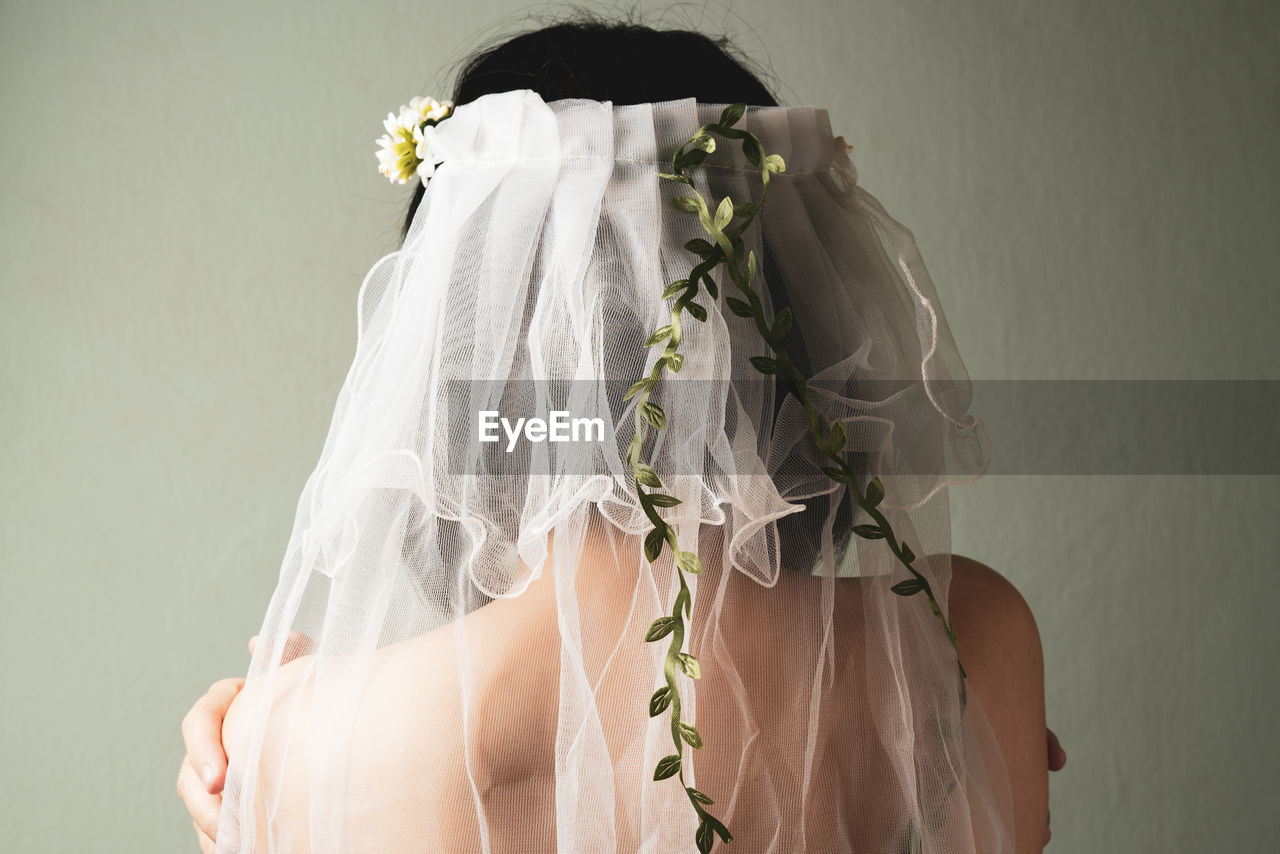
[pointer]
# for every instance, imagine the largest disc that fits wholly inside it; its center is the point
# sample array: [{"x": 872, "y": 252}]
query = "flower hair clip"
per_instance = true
[{"x": 403, "y": 150}]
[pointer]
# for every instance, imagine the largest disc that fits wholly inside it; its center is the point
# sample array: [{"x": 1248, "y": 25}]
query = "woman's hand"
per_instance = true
[
  {"x": 1057, "y": 756},
  {"x": 203, "y": 771},
  {"x": 1057, "y": 760}
]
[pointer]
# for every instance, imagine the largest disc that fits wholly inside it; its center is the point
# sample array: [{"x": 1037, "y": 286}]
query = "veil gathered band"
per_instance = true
[{"x": 473, "y": 587}]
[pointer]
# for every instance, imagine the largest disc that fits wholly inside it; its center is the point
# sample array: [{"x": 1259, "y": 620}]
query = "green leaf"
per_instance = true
[
  {"x": 647, "y": 476},
  {"x": 870, "y": 532},
  {"x": 675, "y": 362},
  {"x": 739, "y": 307},
  {"x": 746, "y": 209},
  {"x": 659, "y": 629},
  {"x": 754, "y": 153},
  {"x": 689, "y": 665},
  {"x": 875, "y": 491},
  {"x": 668, "y": 766},
  {"x": 659, "y": 701},
  {"x": 661, "y": 499},
  {"x": 637, "y": 387},
  {"x": 838, "y": 436},
  {"x": 910, "y": 587},
  {"x": 836, "y": 474},
  {"x": 712, "y": 287},
  {"x": 764, "y": 364},
  {"x": 688, "y": 204},
  {"x": 690, "y": 157},
  {"x": 688, "y": 562},
  {"x": 697, "y": 311},
  {"x": 774, "y": 163},
  {"x": 724, "y": 213},
  {"x": 674, "y": 288},
  {"x": 781, "y": 324},
  {"x": 751, "y": 267},
  {"x": 907, "y": 554},
  {"x": 689, "y": 734},
  {"x": 660, "y": 334},
  {"x": 700, "y": 247},
  {"x": 654, "y": 415},
  {"x": 706, "y": 828},
  {"x": 681, "y": 178},
  {"x": 705, "y": 837},
  {"x": 731, "y": 114},
  {"x": 653, "y": 544},
  {"x": 698, "y": 796},
  {"x": 720, "y": 829}
]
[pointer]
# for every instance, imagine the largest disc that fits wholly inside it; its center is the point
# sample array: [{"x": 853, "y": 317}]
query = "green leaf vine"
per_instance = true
[{"x": 725, "y": 227}]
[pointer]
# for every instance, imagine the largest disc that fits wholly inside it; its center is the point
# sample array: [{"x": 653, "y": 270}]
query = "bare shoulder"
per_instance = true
[
  {"x": 999, "y": 644},
  {"x": 989, "y": 605}
]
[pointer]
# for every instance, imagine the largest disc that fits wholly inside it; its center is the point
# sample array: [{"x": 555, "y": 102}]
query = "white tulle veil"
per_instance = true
[{"x": 477, "y": 675}]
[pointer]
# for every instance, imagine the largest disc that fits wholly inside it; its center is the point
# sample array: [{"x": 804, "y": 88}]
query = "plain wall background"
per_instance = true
[{"x": 190, "y": 202}]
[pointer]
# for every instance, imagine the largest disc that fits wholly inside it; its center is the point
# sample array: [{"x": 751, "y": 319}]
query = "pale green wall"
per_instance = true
[{"x": 190, "y": 202}]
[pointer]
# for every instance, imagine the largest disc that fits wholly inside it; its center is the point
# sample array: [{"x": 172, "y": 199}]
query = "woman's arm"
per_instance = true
[{"x": 1000, "y": 647}]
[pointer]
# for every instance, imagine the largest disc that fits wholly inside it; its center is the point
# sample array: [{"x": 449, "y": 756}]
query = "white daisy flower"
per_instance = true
[
  {"x": 422, "y": 151},
  {"x": 402, "y": 150},
  {"x": 422, "y": 109},
  {"x": 397, "y": 158}
]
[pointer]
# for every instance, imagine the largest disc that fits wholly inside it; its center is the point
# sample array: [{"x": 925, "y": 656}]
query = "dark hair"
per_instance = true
[
  {"x": 629, "y": 63},
  {"x": 622, "y": 62}
]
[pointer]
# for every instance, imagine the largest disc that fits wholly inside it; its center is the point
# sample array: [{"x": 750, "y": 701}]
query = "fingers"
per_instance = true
[
  {"x": 295, "y": 644},
  {"x": 202, "y": 733},
  {"x": 1057, "y": 759},
  {"x": 1057, "y": 756},
  {"x": 202, "y": 806}
]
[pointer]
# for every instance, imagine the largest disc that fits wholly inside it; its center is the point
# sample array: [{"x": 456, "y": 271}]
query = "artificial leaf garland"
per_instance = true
[{"x": 725, "y": 226}]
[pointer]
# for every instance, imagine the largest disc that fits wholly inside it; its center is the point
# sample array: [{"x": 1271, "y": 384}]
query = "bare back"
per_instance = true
[{"x": 431, "y": 753}]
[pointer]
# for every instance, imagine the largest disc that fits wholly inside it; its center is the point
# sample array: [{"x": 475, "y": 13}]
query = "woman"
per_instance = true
[{"x": 506, "y": 686}]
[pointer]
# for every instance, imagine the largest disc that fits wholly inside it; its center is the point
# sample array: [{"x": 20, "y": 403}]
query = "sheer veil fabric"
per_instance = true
[{"x": 479, "y": 679}]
